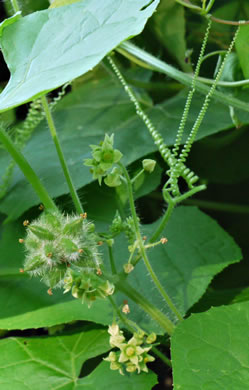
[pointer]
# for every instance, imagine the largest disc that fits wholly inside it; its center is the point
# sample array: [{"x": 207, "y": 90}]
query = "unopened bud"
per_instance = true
[
  {"x": 21, "y": 270},
  {"x": 151, "y": 338},
  {"x": 149, "y": 165},
  {"x": 128, "y": 268},
  {"x": 21, "y": 240},
  {"x": 126, "y": 309},
  {"x": 83, "y": 215},
  {"x": 50, "y": 292},
  {"x": 99, "y": 272},
  {"x": 25, "y": 223},
  {"x": 164, "y": 240}
]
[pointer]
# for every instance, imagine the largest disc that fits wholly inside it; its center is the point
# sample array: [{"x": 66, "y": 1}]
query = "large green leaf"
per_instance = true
[
  {"x": 83, "y": 118},
  {"x": 210, "y": 350},
  {"x": 197, "y": 249},
  {"x": 104, "y": 379},
  {"x": 242, "y": 48},
  {"x": 55, "y": 363},
  {"x": 43, "y": 50},
  {"x": 48, "y": 362}
]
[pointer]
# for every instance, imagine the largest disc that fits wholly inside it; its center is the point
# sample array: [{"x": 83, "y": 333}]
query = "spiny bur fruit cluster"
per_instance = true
[
  {"x": 63, "y": 251},
  {"x": 132, "y": 355}
]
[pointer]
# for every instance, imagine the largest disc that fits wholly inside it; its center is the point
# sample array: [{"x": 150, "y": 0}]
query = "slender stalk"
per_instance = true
[
  {"x": 209, "y": 6},
  {"x": 142, "y": 249},
  {"x": 164, "y": 221},
  {"x": 15, "y": 6},
  {"x": 64, "y": 166},
  {"x": 164, "y": 358},
  {"x": 229, "y": 22},
  {"x": 188, "y": 5},
  {"x": 140, "y": 300},
  {"x": 228, "y": 84},
  {"x": 190, "y": 193},
  {"x": 134, "y": 179},
  {"x": 134, "y": 53},
  {"x": 112, "y": 261},
  {"x": 27, "y": 171}
]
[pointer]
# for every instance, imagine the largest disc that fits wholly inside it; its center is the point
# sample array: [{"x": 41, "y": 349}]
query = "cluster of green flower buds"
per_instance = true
[
  {"x": 87, "y": 286},
  {"x": 55, "y": 242},
  {"x": 132, "y": 356},
  {"x": 104, "y": 157},
  {"x": 127, "y": 226}
]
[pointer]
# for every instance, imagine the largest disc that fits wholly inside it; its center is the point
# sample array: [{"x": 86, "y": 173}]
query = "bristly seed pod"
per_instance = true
[{"x": 57, "y": 242}]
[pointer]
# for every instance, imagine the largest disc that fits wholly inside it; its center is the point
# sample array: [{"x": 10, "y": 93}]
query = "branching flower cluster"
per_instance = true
[{"x": 132, "y": 355}]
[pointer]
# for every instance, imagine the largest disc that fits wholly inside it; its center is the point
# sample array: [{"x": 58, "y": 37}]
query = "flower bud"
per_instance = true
[{"x": 149, "y": 165}]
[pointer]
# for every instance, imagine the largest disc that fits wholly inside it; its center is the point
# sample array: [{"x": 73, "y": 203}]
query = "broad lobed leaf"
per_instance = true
[
  {"x": 44, "y": 50},
  {"x": 210, "y": 350}
]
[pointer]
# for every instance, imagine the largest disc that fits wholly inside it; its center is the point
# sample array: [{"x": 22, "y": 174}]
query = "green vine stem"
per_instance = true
[
  {"x": 141, "y": 245},
  {"x": 164, "y": 221},
  {"x": 141, "y": 301},
  {"x": 133, "y": 53},
  {"x": 15, "y": 5},
  {"x": 27, "y": 171},
  {"x": 112, "y": 261},
  {"x": 64, "y": 166}
]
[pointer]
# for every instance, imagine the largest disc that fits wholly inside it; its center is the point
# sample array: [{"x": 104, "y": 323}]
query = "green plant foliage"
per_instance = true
[
  {"x": 49, "y": 362},
  {"x": 39, "y": 64},
  {"x": 102, "y": 378},
  {"x": 220, "y": 333},
  {"x": 196, "y": 251},
  {"x": 47, "y": 314},
  {"x": 91, "y": 108},
  {"x": 27, "y": 6},
  {"x": 169, "y": 26},
  {"x": 243, "y": 49}
]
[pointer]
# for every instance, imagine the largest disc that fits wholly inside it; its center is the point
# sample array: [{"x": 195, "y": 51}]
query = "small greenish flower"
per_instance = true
[
  {"x": 128, "y": 267},
  {"x": 104, "y": 157},
  {"x": 151, "y": 338},
  {"x": 132, "y": 355},
  {"x": 149, "y": 165},
  {"x": 130, "y": 352},
  {"x": 113, "y": 178},
  {"x": 117, "y": 337}
]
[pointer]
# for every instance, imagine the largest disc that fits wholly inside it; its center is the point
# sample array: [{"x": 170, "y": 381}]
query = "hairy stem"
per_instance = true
[
  {"x": 164, "y": 221},
  {"x": 112, "y": 261},
  {"x": 27, "y": 171},
  {"x": 64, "y": 166},
  {"x": 142, "y": 249},
  {"x": 155, "y": 313}
]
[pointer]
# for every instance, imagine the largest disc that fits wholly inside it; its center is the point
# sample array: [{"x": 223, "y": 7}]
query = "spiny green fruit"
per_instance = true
[{"x": 55, "y": 242}]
